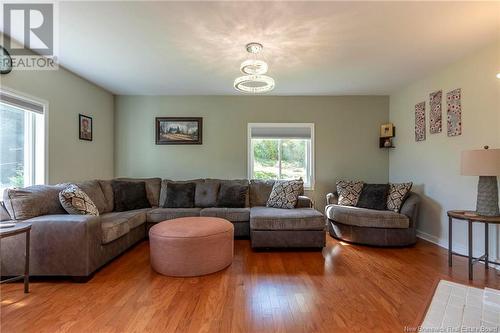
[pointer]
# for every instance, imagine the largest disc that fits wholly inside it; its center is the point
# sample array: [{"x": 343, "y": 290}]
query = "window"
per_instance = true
[
  {"x": 22, "y": 141},
  {"x": 281, "y": 151}
]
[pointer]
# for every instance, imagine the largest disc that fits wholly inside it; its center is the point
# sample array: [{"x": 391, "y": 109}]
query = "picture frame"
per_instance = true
[
  {"x": 387, "y": 130},
  {"x": 179, "y": 130},
  {"x": 85, "y": 127}
]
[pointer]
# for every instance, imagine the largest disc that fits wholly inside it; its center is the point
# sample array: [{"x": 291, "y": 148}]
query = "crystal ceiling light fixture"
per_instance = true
[{"x": 254, "y": 81}]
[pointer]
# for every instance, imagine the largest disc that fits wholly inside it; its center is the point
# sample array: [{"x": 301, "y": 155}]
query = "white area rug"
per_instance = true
[{"x": 460, "y": 308}]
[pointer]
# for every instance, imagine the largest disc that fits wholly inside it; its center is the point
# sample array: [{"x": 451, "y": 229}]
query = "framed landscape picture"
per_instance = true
[
  {"x": 85, "y": 127},
  {"x": 179, "y": 130}
]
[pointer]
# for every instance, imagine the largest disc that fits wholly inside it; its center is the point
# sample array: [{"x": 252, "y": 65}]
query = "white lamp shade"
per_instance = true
[{"x": 481, "y": 162}]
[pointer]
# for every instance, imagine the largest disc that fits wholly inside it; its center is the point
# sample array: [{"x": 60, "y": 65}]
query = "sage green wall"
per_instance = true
[
  {"x": 70, "y": 159},
  {"x": 346, "y": 136},
  {"x": 434, "y": 164}
]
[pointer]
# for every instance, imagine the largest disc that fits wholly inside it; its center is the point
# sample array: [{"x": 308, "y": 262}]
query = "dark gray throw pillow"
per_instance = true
[
  {"x": 180, "y": 195},
  {"x": 206, "y": 194},
  {"x": 232, "y": 196},
  {"x": 373, "y": 196},
  {"x": 129, "y": 195}
]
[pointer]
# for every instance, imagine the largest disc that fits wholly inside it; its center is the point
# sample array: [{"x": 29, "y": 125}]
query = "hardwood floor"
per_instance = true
[{"x": 346, "y": 288}]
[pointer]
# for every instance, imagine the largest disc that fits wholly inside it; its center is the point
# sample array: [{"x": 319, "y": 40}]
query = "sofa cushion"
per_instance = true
[
  {"x": 362, "y": 217},
  {"x": 152, "y": 188},
  {"x": 230, "y": 214},
  {"x": 267, "y": 218},
  {"x": 164, "y": 186},
  {"x": 76, "y": 201},
  {"x": 232, "y": 195},
  {"x": 260, "y": 191},
  {"x": 107, "y": 191},
  {"x": 134, "y": 218},
  {"x": 163, "y": 214},
  {"x": 93, "y": 189},
  {"x": 206, "y": 194},
  {"x": 285, "y": 194},
  {"x": 180, "y": 195},
  {"x": 33, "y": 201},
  {"x": 349, "y": 192},
  {"x": 129, "y": 195},
  {"x": 230, "y": 182},
  {"x": 113, "y": 226},
  {"x": 397, "y": 195},
  {"x": 373, "y": 196}
]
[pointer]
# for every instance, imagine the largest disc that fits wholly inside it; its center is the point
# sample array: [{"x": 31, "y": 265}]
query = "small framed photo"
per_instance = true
[
  {"x": 179, "y": 130},
  {"x": 85, "y": 127},
  {"x": 387, "y": 130}
]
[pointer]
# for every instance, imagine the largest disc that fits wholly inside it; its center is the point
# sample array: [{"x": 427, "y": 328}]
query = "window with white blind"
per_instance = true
[
  {"x": 281, "y": 151},
  {"x": 22, "y": 141}
]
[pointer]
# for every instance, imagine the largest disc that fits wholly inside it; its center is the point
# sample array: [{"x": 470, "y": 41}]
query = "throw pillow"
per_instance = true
[
  {"x": 232, "y": 195},
  {"x": 373, "y": 196},
  {"x": 77, "y": 202},
  {"x": 349, "y": 192},
  {"x": 129, "y": 195},
  {"x": 180, "y": 195},
  {"x": 206, "y": 194},
  {"x": 397, "y": 195},
  {"x": 285, "y": 193}
]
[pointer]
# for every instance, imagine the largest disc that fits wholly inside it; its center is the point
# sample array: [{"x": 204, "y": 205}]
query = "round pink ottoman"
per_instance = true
[{"x": 191, "y": 246}]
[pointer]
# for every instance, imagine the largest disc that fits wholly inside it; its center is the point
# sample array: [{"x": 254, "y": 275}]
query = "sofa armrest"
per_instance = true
[
  {"x": 60, "y": 245},
  {"x": 410, "y": 208},
  {"x": 332, "y": 199},
  {"x": 304, "y": 202}
]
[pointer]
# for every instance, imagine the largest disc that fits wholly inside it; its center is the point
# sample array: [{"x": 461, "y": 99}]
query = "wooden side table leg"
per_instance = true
[
  {"x": 450, "y": 242},
  {"x": 470, "y": 250},
  {"x": 486, "y": 245},
  {"x": 27, "y": 263}
]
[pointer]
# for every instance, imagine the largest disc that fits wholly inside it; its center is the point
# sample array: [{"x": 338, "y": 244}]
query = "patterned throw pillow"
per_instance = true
[
  {"x": 349, "y": 192},
  {"x": 397, "y": 195},
  {"x": 285, "y": 193},
  {"x": 77, "y": 202}
]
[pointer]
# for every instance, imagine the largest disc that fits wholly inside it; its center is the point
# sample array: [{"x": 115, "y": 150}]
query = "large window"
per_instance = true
[
  {"x": 281, "y": 151},
  {"x": 22, "y": 141}
]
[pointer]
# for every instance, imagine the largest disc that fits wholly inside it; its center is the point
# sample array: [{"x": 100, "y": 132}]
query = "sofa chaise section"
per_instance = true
[
  {"x": 63, "y": 244},
  {"x": 282, "y": 228}
]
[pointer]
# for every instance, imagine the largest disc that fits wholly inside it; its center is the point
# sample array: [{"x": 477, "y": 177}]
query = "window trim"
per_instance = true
[
  {"x": 310, "y": 151},
  {"x": 45, "y": 104}
]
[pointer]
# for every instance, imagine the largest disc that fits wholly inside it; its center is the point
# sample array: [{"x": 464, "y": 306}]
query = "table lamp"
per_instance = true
[{"x": 484, "y": 163}]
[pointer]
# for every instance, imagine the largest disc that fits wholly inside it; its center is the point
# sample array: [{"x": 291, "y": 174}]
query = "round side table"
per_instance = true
[
  {"x": 20, "y": 228},
  {"x": 470, "y": 217}
]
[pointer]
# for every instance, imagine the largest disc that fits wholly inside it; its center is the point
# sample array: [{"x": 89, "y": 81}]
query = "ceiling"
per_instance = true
[{"x": 320, "y": 48}]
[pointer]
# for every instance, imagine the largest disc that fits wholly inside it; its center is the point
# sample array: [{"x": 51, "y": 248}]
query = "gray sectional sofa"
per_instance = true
[{"x": 78, "y": 245}]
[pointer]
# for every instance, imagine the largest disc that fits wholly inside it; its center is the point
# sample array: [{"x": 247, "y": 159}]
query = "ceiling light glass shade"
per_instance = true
[
  {"x": 252, "y": 67},
  {"x": 254, "y": 83},
  {"x": 498, "y": 75}
]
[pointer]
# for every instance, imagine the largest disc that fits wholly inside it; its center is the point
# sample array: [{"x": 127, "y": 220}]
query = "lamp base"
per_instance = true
[{"x": 487, "y": 196}]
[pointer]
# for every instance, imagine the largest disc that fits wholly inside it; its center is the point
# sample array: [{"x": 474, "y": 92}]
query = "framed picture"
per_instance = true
[
  {"x": 179, "y": 130},
  {"x": 85, "y": 127},
  {"x": 387, "y": 130}
]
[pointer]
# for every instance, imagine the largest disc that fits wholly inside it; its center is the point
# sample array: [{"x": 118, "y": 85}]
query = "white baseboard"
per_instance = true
[{"x": 456, "y": 248}]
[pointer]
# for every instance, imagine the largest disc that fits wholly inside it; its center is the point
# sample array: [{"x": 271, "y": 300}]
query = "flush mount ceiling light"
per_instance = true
[{"x": 254, "y": 82}]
